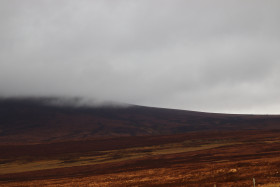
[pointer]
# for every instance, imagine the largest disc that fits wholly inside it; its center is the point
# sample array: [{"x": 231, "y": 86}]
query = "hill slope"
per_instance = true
[{"x": 38, "y": 120}]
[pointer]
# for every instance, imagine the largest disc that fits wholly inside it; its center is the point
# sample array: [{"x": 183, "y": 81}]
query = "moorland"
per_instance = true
[{"x": 43, "y": 144}]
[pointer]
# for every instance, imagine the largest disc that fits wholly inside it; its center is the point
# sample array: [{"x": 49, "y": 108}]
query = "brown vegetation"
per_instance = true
[
  {"x": 25, "y": 121},
  {"x": 49, "y": 145},
  {"x": 191, "y": 159}
]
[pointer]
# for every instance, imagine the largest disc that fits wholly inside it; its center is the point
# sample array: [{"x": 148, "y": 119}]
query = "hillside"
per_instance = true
[
  {"x": 58, "y": 142},
  {"x": 32, "y": 120}
]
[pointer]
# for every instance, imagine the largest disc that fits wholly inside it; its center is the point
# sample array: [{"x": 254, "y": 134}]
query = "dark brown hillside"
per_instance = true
[{"x": 36, "y": 120}]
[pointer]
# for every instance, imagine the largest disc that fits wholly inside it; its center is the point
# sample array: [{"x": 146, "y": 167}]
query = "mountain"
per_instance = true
[{"x": 30, "y": 120}]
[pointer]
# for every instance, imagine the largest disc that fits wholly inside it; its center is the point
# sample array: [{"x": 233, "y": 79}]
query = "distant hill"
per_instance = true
[{"x": 30, "y": 120}]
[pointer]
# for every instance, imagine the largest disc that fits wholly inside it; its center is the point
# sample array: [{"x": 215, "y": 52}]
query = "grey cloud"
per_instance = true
[{"x": 219, "y": 56}]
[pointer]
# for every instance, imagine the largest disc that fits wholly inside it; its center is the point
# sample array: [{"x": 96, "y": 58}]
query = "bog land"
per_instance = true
[{"x": 189, "y": 159}]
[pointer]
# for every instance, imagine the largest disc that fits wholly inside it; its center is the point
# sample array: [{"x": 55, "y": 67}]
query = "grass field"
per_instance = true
[
  {"x": 186, "y": 160},
  {"x": 103, "y": 157}
]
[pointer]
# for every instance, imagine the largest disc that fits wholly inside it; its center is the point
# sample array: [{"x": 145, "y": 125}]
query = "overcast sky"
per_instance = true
[{"x": 213, "y": 56}]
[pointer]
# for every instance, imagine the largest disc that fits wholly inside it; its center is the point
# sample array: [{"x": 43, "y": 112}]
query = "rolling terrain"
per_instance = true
[
  {"x": 46, "y": 144},
  {"x": 39, "y": 120}
]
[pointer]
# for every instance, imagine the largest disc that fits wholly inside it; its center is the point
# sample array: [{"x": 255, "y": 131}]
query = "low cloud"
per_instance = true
[{"x": 210, "y": 56}]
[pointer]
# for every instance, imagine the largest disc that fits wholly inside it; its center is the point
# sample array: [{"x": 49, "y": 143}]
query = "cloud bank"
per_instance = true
[{"x": 217, "y": 56}]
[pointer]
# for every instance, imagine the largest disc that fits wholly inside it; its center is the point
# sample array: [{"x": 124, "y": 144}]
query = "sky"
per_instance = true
[{"x": 212, "y": 56}]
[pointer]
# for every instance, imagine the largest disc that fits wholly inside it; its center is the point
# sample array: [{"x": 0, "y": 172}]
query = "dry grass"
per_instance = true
[
  {"x": 270, "y": 185},
  {"x": 105, "y": 157},
  {"x": 186, "y": 163},
  {"x": 227, "y": 174},
  {"x": 150, "y": 177}
]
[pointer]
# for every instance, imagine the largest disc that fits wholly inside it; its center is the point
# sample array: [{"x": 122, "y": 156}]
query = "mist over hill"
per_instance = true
[{"x": 51, "y": 119}]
